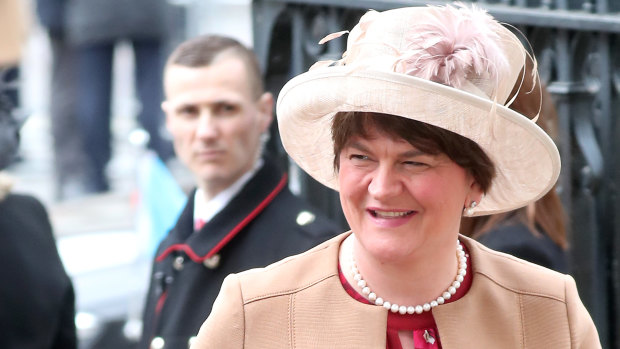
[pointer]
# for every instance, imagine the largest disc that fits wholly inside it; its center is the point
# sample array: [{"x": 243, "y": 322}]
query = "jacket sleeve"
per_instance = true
[
  {"x": 583, "y": 332},
  {"x": 66, "y": 335},
  {"x": 225, "y": 327}
]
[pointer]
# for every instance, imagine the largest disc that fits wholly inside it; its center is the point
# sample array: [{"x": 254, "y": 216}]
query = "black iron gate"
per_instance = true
[{"x": 577, "y": 44}]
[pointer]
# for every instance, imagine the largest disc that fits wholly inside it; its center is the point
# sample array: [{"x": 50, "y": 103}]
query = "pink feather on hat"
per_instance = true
[{"x": 454, "y": 43}]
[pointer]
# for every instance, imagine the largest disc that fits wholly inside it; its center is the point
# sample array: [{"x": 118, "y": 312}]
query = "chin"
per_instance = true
[{"x": 389, "y": 250}]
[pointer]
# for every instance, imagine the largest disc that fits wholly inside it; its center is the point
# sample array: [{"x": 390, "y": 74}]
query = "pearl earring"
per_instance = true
[{"x": 469, "y": 211}]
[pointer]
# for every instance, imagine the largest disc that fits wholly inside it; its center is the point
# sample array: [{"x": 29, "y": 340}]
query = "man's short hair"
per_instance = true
[{"x": 203, "y": 50}]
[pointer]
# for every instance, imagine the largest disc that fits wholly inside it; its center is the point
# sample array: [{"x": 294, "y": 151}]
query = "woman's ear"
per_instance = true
[{"x": 475, "y": 195}]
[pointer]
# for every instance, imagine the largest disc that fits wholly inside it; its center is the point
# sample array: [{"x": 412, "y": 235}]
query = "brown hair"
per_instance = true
[
  {"x": 203, "y": 50},
  {"x": 546, "y": 215},
  {"x": 427, "y": 138}
]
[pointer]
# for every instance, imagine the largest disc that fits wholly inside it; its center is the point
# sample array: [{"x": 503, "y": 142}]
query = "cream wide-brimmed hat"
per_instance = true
[{"x": 453, "y": 67}]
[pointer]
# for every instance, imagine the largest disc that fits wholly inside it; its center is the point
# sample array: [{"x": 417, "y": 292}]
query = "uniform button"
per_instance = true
[
  {"x": 191, "y": 342},
  {"x": 212, "y": 262},
  {"x": 178, "y": 263},
  {"x": 158, "y": 343},
  {"x": 305, "y": 218},
  {"x": 158, "y": 281}
]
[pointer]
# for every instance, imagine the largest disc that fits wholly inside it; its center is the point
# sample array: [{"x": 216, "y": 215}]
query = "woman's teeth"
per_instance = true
[{"x": 391, "y": 214}]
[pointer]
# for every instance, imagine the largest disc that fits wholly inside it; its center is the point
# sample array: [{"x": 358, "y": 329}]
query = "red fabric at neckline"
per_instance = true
[{"x": 411, "y": 322}]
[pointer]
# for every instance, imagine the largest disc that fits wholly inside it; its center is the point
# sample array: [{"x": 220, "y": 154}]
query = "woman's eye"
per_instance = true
[
  {"x": 358, "y": 157},
  {"x": 414, "y": 163}
]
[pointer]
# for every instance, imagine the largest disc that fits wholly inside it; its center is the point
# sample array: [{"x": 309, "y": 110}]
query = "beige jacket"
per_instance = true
[
  {"x": 299, "y": 302},
  {"x": 15, "y": 20}
]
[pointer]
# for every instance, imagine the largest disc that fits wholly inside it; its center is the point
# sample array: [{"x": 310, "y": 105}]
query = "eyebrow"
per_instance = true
[
  {"x": 358, "y": 146},
  {"x": 408, "y": 154},
  {"x": 413, "y": 153},
  {"x": 226, "y": 101},
  {"x": 181, "y": 106}
]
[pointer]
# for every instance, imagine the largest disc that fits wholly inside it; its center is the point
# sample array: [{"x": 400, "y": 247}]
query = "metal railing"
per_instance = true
[{"x": 577, "y": 44}]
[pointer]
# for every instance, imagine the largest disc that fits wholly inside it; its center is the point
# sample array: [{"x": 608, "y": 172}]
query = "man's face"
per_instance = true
[{"x": 215, "y": 120}]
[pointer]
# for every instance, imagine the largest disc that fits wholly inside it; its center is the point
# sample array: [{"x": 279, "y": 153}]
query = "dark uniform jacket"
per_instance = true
[
  {"x": 37, "y": 308},
  {"x": 263, "y": 223}
]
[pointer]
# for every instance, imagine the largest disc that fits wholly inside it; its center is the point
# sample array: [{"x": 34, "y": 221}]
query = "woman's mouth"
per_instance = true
[{"x": 390, "y": 214}]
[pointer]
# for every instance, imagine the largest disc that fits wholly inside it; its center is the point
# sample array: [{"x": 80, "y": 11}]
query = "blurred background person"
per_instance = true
[
  {"x": 14, "y": 24},
  {"x": 36, "y": 297},
  {"x": 536, "y": 232},
  {"x": 242, "y": 214},
  {"x": 94, "y": 27},
  {"x": 68, "y": 153}
]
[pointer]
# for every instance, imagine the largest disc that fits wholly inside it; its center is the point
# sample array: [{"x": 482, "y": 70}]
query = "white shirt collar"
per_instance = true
[{"x": 206, "y": 210}]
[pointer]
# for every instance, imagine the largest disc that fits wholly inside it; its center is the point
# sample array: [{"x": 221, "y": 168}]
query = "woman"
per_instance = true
[
  {"x": 536, "y": 232},
  {"x": 414, "y": 119}
]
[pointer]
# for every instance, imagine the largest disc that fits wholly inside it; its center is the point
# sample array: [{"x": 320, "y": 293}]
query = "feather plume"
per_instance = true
[
  {"x": 333, "y": 36},
  {"x": 453, "y": 44}
]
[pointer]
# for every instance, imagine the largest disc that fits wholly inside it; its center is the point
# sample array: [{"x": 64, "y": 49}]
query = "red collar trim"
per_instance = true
[{"x": 199, "y": 259}]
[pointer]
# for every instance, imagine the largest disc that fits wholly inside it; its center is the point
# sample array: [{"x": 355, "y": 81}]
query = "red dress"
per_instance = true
[{"x": 425, "y": 333}]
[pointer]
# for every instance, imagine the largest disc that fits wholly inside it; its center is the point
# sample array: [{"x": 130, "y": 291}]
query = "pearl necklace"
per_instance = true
[{"x": 418, "y": 309}]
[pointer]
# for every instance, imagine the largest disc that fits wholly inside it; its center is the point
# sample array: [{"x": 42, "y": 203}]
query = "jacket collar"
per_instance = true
[
  {"x": 255, "y": 196},
  {"x": 461, "y": 323},
  {"x": 470, "y": 320}
]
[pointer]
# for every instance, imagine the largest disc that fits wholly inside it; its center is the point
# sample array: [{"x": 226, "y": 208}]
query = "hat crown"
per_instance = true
[{"x": 458, "y": 46}]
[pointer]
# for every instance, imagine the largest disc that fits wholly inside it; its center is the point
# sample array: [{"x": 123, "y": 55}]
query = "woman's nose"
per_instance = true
[{"x": 384, "y": 183}]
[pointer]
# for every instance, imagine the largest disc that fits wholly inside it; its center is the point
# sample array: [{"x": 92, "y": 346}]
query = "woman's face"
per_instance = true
[{"x": 400, "y": 201}]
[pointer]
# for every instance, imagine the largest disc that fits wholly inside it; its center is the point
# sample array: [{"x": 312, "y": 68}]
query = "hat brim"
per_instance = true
[{"x": 527, "y": 161}]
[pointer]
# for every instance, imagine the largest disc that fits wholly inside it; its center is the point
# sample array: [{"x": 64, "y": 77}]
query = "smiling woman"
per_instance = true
[
  {"x": 412, "y": 127},
  {"x": 402, "y": 179}
]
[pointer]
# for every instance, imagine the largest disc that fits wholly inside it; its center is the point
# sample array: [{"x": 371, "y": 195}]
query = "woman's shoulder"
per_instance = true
[
  {"x": 293, "y": 273},
  {"x": 517, "y": 274}
]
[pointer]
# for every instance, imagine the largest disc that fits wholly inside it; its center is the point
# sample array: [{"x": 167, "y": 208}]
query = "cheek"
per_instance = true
[
  {"x": 436, "y": 191},
  {"x": 351, "y": 212},
  {"x": 428, "y": 190},
  {"x": 177, "y": 133},
  {"x": 243, "y": 131},
  {"x": 349, "y": 181},
  {"x": 179, "y": 129},
  {"x": 352, "y": 190}
]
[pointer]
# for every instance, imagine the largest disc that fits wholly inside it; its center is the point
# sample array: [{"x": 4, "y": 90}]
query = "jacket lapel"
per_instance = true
[
  {"x": 326, "y": 314},
  {"x": 240, "y": 211},
  {"x": 474, "y": 320}
]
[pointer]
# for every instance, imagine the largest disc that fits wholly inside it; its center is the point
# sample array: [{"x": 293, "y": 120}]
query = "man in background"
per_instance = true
[{"x": 219, "y": 114}]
